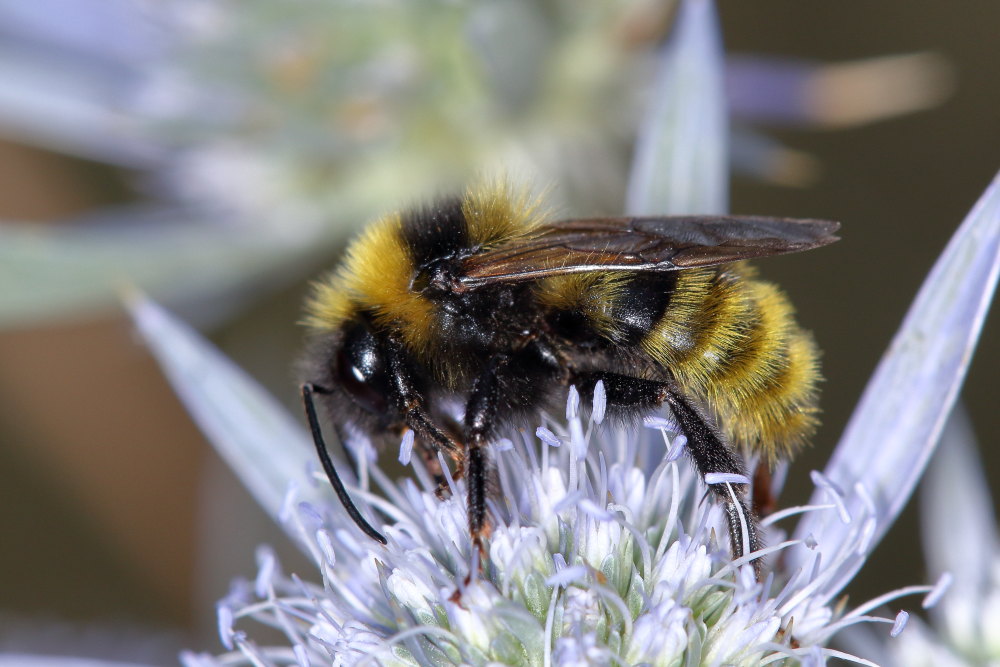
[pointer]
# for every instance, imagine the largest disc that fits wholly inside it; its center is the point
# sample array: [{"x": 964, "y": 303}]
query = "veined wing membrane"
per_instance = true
[{"x": 642, "y": 244}]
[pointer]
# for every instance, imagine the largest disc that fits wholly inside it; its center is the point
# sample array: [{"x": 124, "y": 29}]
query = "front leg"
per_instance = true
[
  {"x": 628, "y": 395},
  {"x": 430, "y": 438}
]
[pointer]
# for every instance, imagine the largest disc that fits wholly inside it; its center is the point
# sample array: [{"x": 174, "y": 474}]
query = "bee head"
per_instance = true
[
  {"x": 359, "y": 368},
  {"x": 350, "y": 369}
]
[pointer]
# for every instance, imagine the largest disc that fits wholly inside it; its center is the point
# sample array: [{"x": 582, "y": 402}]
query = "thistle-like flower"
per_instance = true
[{"x": 604, "y": 551}]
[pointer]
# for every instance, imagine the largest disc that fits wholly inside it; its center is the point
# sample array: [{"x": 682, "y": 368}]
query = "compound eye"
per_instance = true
[{"x": 361, "y": 371}]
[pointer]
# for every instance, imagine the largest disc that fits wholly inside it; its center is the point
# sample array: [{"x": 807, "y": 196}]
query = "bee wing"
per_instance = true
[{"x": 642, "y": 244}]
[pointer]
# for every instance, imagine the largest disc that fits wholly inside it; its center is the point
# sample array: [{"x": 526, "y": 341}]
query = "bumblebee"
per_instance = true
[{"x": 481, "y": 298}]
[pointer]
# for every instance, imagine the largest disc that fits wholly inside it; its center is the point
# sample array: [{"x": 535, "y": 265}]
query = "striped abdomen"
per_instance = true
[{"x": 729, "y": 340}]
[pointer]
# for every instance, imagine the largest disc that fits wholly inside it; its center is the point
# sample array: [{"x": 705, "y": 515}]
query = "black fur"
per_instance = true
[
  {"x": 435, "y": 232},
  {"x": 640, "y": 306}
]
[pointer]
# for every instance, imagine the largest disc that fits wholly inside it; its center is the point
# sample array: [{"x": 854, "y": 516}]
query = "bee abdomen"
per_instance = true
[
  {"x": 733, "y": 342},
  {"x": 765, "y": 395}
]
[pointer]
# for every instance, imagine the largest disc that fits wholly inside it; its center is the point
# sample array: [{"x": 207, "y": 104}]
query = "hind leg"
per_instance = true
[{"x": 635, "y": 396}]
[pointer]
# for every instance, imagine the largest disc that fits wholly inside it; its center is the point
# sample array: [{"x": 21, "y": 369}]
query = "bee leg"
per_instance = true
[
  {"x": 480, "y": 421},
  {"x": 433, "y": 463},
  {"x": 512, "y": 383},
  {"x": 711, "y": 454},
  {"x": 331, "y": 472},
  {"x": 429, "y": 434},
  {"x": 765, "y": 501},
  {"x": 627, "y": 395},
  {"x": 430, "y": 438},
  {"x": 433, "y": 466},
  {"x": 432, "y": 441}
]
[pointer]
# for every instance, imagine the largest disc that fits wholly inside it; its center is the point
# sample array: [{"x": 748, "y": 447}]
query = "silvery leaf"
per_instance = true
[
  {"x": 256, "y": 436},
  {"x": 681, "y": 160},
  {"x": 902, "y": 412}
]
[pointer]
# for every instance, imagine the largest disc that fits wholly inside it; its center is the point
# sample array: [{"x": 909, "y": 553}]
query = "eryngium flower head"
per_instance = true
[{"x": 604, "y": 550}]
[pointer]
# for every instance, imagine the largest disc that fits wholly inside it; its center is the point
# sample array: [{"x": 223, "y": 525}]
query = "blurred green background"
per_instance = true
[{"x": 112, "y": 507}]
